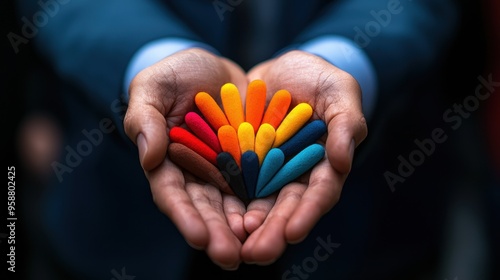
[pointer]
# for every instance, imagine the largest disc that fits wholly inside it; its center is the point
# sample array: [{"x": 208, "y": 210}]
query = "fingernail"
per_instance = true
[
  {"x": 142, "y": 145},
  {"x": 228, "y": 267},
  {"x": 265, "y": 263}
]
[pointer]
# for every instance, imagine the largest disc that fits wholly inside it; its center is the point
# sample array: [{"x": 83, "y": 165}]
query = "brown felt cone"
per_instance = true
[{"x": 186, "y": 158}]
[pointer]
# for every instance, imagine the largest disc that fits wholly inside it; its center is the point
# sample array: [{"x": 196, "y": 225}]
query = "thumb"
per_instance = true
[
  {"x": 145, "y": 125},
  {"x": 344, "y": 134},
  {"x": 258, "y": 72},
  {"x": 347, "y": 127}
]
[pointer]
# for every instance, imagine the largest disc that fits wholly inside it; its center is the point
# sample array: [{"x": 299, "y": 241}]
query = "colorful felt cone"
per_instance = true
[
  {"x": 264, "y": 140},
  {"x": 271, "y": 164},
  {"x": 306, "y": 136},
  {"x": 255, "y": 103},
  {"x": 246, "y": 137},
  {"x": 292, "y": 123},
  {"x": 181, "y": 135},
  {"x": 231, "y": 102},
  {"x": 191, "y": 161},
  {"x": 243, "y": 148},
  {"x": 202, "y": 130},
  {"x": 228, "y": 139},
  {"x": 250, "y": 169},
  {"x": 233, "y": 174},
  {"x": 297, "y": 166},
  {"x": 210, "y": 110},
  {"x": 277, "y": 108}
]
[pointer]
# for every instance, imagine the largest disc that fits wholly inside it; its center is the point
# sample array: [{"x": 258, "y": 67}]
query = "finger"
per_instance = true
[
  {"x": 145, "y": 125},
  {"x": 267, "y": 243},
  {"x": 322, "y": 193},
  {"x": 258, "y": 72},
  {"x": 223, "y": 246},
  {"x": 168, "y": 190},
  {"x": 257, "y": 211},
  {"x": 237, "y": 76},
  {"x": 346, "y": 123},
  {"x": 234, "y": 210},
  {"x": 172, "y": 81},
  {"x": 344, "y": 134}
]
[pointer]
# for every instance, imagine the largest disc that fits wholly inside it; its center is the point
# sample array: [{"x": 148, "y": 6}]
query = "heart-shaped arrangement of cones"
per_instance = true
[{"x": 250, "y": 150}]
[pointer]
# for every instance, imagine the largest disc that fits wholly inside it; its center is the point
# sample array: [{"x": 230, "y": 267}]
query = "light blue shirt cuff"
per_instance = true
[
  {"x": 346, "y": 55},
  {"x": 155, "y": 51}
]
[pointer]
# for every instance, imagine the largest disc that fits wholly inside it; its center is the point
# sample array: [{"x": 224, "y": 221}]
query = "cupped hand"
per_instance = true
[
  {"x": 288, "y": 217},
  {"x": 160, "y": 97}
]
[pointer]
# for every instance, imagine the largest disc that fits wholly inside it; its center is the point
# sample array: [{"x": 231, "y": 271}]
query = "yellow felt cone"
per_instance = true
[
  {"x": 292, "y": 123},
  {"x": 231, "y": 101},
  {"x": 264, "y": 140},
  {"x": 246, "y": 137}
]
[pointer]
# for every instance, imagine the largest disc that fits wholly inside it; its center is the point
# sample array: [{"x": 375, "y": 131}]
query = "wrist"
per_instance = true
[
  {"x": 155, "y": 51},
  {"x": 346, "y": 55}
]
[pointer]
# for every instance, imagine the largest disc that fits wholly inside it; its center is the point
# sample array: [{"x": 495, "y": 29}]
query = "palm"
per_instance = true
[
  {"x": 199, "y": 211},
  {"x": 160, "y": 97},
  {"x": 335, "y": 97}
]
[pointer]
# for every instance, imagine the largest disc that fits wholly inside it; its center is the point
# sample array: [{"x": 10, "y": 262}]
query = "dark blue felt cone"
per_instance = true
[
  {"x": 233, "y": 175},
  {"x": 306, "y": 136},
  {"x": 297, "y": 166},
  {"x": 250, "y": 167},
  {"x": 270, "y": 165}
]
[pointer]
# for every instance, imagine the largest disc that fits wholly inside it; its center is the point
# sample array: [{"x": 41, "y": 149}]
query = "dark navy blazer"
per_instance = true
[{"x": 97, "y": 215}]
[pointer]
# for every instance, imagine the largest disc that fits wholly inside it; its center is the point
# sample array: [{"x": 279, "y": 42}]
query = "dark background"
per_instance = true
[{"x": 472, "y": 55}]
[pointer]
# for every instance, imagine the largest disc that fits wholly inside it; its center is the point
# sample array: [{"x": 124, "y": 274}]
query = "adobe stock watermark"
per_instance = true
[
  {"x": 364, "y": 34},
  {"x": 380, "y": 20},
  {"x": 121, "y": 276},
  {"x": 231, "y": 174},
  {"x": 48, "y": 9},
  {"x": 223, "y": 6},
  {"x": 454, "y": 117},
  {"x": 309, "y": 265},
  {"x": 91, "y": 139}
]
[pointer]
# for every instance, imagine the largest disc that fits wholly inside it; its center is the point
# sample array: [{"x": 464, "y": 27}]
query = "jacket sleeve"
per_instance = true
[
  {"x": 404, "y": 39},
  {"x": 89, "y": 43}
]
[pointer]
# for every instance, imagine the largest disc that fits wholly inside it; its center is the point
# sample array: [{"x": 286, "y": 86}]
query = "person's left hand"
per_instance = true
[{"x": 288, "y": 217}]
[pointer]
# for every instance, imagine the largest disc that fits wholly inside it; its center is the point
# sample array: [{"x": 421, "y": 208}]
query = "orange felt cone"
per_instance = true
[
  {"x": 277, "y": 108},
  {"x": 255, "y": 103},
  {"x": 229, "y": 143},
  {"x": 210, "y": 110}
]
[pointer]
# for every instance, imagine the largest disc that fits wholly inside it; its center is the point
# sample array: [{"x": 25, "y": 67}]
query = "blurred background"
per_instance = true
[{"x": 469, "y": 243}]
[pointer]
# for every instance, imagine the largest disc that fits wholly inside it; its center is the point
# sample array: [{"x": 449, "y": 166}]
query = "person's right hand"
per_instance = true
[{"x": 160, "y": 97}]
